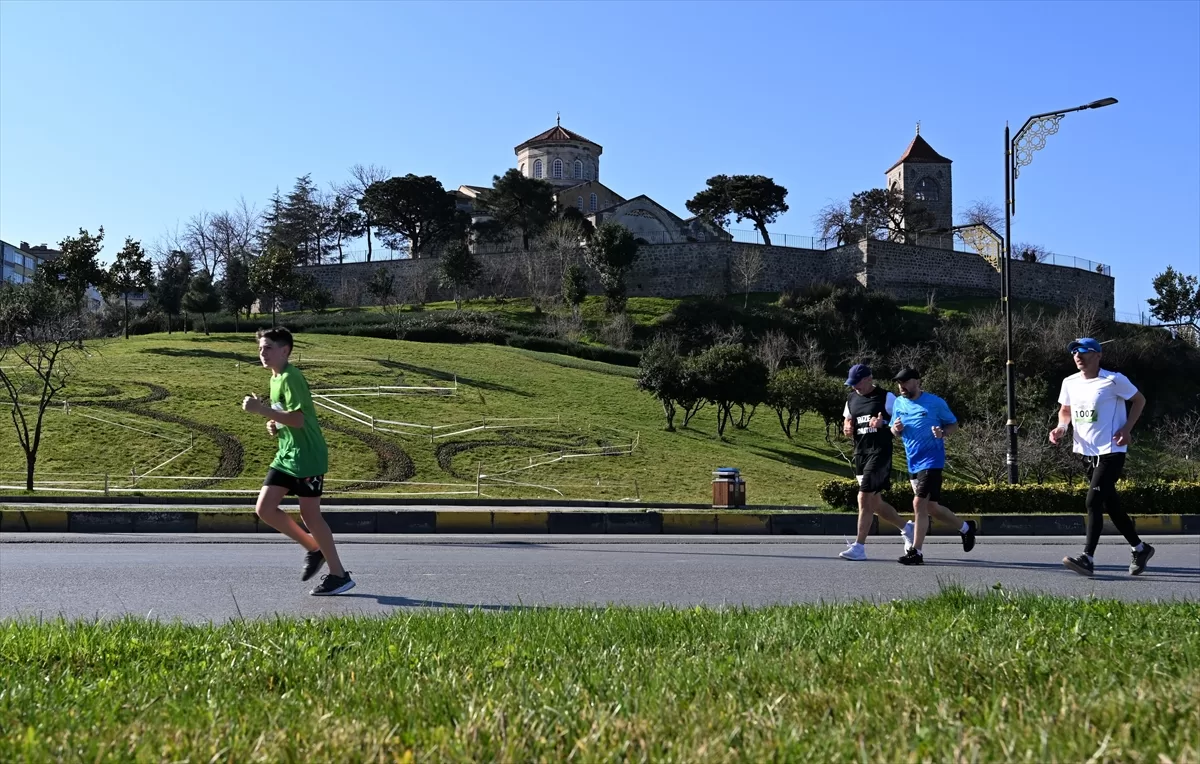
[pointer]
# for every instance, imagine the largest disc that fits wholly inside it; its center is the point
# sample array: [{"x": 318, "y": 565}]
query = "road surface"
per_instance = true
[{"x": 218, "y": 577}]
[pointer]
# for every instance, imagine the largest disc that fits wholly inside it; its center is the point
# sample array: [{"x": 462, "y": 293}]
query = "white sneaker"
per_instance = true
[
  {"x": 907, "y": 533},
  {"x": 855, "y": 552}
]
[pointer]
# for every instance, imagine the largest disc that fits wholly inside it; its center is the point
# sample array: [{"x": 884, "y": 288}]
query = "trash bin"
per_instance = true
[{"x": 729, "y": 490}]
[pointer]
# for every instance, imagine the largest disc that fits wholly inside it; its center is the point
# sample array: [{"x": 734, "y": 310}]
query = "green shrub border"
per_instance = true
[{"x": 1148, "y": 498}]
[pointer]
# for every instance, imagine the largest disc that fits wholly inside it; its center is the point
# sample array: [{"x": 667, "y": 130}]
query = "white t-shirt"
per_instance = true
[{"x": 1097, "y": 410}]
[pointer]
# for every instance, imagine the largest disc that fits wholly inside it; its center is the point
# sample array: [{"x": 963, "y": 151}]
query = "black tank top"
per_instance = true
[{"x": 863, "y": 408}]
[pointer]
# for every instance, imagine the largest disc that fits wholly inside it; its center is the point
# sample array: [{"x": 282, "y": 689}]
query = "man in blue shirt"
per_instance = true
[{"x": 923, "y": 420}]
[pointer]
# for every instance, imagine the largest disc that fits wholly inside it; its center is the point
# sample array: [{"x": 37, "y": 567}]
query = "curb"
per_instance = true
[{"x": 571, "y": 522}]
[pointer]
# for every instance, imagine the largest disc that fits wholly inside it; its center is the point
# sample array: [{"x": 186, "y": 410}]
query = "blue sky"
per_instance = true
[{"x": 136, "y": 116}]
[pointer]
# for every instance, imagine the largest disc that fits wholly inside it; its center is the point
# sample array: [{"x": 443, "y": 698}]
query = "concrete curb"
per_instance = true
[{"x": 573, "y": 522}]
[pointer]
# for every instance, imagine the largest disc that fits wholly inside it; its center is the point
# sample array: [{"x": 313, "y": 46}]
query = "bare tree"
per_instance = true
[
  {"x": 558, "y": 246},
  {"x": 747, "y": 266},
  {"x": 42, "y": 332},
  {"x": 977, "y": 451},
  {"x": 809, "y": 354},
  {"x": 983, "y": 212},
  {"x": 361, "y": 178},
  {"x": 773, "y": 349},
  {"x": 198, "y": 239}
]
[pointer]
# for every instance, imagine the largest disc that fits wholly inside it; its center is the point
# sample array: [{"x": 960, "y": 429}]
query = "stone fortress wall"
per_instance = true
[{"x": 706, "y": 268}]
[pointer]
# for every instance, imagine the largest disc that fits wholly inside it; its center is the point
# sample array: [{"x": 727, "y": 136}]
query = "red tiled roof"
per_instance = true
[
  {"x": 556, "y": 133},
  {"x": 919, "y": 151}
]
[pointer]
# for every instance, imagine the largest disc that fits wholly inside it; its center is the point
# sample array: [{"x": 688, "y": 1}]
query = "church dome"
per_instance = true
[{"x": 560, "y": 156}]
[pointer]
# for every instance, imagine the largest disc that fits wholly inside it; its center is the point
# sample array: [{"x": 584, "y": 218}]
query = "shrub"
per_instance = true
[{"x": 1138, "y": 498}]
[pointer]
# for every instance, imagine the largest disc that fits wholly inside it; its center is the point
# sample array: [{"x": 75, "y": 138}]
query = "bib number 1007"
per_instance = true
[{"x": 1085, "y": 415}]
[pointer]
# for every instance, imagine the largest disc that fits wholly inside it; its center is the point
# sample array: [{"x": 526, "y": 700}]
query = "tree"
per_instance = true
[
  {"x": 131, "y": 271},
  {"x": 611, "y": 252},
  {"x": 77, "y": 267},
  {"x": 459, "y": 269},
  {"x": 174, "y": 279},
  {"x": 273, "y": 275},
  {"x": 575, "y": 288},
  {"x": 731, "y": 376},
  {"x": 661, "y": 373},
  {"x": 827, "y": 399},
  {"x": 306, "y": 222},
  {"x": 237, "y": 293},
  {"x": 519, "y": 204},
  {"x": 346, "y": 221},
  {"x": 982, "y": 212},
  {"x": 202, "y": 297},
  {"x": 747, "y": 197},
  {"x": 881, "y": 214},
  {"x": 789, "y": 392},
  {"x": 310, "y": 294},
  {"x": 1178, "y": 300},
  {"x": 42, "y": 330},
  {"x": 363, "y": 177},
  {"x": 415, "y": 210},
  {"x": 747, "y": 266},
  {"x": 383, "y": 288}
]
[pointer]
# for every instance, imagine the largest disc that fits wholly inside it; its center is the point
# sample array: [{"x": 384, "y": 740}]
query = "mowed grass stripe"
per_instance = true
[{"x": 953, "y": 678}]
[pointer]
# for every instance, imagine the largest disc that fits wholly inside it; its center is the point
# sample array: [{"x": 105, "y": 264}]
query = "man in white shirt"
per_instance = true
[{"x": 1093, "y": 402}]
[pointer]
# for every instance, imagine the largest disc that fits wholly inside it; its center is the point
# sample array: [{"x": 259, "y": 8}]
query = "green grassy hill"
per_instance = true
[{"x": 138, "y": 403}]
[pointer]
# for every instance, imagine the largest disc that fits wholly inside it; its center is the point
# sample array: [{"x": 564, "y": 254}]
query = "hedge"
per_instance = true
[{"x": 1149, "y": 498}]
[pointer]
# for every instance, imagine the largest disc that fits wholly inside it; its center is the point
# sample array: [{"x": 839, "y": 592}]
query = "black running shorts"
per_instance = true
[
  {"x": 927, "y": 484},
  {"x": 305, "y": 488},
  {"x": 873, "y": 472}
]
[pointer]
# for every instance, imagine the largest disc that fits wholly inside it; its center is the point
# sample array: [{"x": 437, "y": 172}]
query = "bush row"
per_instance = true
[
  {"x": 420, "y": 326},
  {"x": 1149, "y": 498}
]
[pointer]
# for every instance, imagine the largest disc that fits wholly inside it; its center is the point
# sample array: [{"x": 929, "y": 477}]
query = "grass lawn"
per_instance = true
[
  {"x": 956, "y": 678},
  {"x": 597, "y": 404}
]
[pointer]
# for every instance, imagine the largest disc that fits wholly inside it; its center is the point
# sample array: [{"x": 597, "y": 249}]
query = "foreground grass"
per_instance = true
[{"x": 954, "y": 678}]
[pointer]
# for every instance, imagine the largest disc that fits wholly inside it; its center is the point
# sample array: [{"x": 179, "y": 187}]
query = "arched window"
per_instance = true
[
  {"x": 927, "y": 190},
  {"x": 592, "y": 203},
  {"x": 578, "y": 170},
  {"x": 558, "y": 168},
  {"x": 537, "y": 168},
  {"x": 522, "y": 168},
  {"x": 579, "y": 204}
]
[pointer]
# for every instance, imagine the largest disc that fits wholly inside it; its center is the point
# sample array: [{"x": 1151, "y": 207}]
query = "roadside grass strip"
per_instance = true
[{"x": 957, "y": 677}]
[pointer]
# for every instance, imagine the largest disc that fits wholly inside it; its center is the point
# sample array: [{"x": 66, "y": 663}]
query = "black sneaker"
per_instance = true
[
  {"x": 969, "y": 537},
  {"x": 912, "y": 557},
  {"x": 1140, "y": 559},
  {"x": 1081, "y": 564},
  {"x": 312, "y": 563},
  {"x": 331, "y": 584}
]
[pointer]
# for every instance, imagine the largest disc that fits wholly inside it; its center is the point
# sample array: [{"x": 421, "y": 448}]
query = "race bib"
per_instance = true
[{"x": 1086, "y": 415}]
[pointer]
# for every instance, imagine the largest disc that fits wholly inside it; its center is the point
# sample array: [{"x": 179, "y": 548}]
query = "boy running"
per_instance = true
[
  {"x": 923, "y": 420},
  {"x": 1094, "y": 402},
  {"x": 300, "y": 463},
  {"x": 867, "y": 413}
]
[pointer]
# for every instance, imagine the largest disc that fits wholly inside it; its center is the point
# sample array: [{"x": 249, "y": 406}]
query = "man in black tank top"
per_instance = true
[{"x": 867, "y": 417}]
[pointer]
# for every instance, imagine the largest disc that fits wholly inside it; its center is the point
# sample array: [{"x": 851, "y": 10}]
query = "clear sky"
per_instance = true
[{"x": 136, "y": 116}]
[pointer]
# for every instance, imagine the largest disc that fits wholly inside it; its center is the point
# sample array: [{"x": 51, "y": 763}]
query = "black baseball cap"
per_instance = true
[{"x": 906, "y": 374}]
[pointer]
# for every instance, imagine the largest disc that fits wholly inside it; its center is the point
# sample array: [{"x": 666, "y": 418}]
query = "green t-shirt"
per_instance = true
[{"x": 302, "y": 451}]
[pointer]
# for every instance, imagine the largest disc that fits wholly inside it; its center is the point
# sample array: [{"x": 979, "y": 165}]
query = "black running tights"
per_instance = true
[{"x": 1103, "y": 472}]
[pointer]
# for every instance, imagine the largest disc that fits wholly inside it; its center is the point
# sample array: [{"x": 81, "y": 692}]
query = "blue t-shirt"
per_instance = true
[{"x": 919, "y": 417}]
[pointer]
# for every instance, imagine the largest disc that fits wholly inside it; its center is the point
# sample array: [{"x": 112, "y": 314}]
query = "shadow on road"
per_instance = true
[{"x": 389, "y": 600}]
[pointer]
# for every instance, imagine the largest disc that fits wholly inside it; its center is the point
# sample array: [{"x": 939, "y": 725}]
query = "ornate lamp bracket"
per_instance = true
[{"x": 1033, "y": 138}]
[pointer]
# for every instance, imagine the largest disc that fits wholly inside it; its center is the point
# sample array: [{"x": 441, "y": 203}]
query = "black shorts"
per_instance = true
[
  {"x": 305, "y": 488},
  {"x": 927, "y": 484},
  {"x": 873, "y": 472}
]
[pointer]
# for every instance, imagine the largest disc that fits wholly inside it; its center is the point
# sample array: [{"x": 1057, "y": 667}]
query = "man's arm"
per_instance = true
[
  {"x": 256, "y": 405},
  {"x": 1138, "y": 402}
]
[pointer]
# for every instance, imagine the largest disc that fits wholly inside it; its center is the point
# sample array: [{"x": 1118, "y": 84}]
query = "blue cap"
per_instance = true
[
  {"x": 858, "y": 372},
  {"x": 1084, "y": 345}
]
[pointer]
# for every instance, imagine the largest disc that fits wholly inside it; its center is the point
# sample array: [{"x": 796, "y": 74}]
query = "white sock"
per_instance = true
[
  {"x": 1139, "y": 547},
  {"x": 964, "y": 528}
]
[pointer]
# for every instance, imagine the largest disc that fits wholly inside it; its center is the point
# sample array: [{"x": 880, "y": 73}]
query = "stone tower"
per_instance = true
[
  {"x": 923, "y": 175},
  {"x": 559, "y": 156}
]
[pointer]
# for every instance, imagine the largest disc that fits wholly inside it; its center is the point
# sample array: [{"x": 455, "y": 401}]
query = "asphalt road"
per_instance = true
[{"x": 215, "y": 577}]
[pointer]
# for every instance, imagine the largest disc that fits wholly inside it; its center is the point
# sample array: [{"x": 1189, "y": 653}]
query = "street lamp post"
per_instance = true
[{"x": 1018, "y": 152}]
